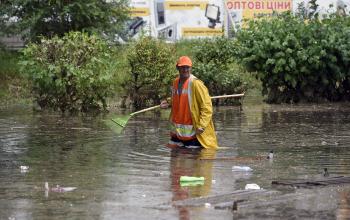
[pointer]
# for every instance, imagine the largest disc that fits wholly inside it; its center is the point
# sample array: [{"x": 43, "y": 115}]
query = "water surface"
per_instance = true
[{"x": 131, "y": 175}]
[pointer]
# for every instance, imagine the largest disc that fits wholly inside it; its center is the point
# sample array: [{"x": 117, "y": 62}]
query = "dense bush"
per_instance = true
[
  {"x": 215, "y": 65},
  {"x": 152, "y": 68},
  {"x": 71, "y": 73},
  {"x": 51, "y": 18},
  {"x": 298, "y": 59}
]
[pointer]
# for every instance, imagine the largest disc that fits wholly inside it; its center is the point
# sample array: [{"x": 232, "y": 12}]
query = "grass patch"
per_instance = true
[{"x": 14, "y": 87}]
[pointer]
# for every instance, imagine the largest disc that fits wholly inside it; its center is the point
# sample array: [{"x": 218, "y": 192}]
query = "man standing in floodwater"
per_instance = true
[{"x": 191, "y": 110}]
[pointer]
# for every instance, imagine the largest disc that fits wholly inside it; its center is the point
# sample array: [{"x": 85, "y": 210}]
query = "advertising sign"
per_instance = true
[
  {"x": 240, "y": 10},
  {"x": 184, "y": 19}
]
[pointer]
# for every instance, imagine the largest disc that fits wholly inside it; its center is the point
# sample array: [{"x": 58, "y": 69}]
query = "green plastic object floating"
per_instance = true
[
  {"x": 191, "y": 181},
  {"x": 191, "y": 178}
]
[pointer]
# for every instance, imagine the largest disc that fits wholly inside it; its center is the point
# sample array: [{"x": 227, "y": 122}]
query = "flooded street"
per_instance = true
[{"x": 131, "y": 175}]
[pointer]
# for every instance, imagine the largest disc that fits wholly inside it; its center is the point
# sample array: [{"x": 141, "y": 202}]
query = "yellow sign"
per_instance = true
[
  {"x": 199, "y": 32},
  {"x": 139, "y": 12},
  {"x": 259, "y": 8},
  {"x": 185, "y": 5}
]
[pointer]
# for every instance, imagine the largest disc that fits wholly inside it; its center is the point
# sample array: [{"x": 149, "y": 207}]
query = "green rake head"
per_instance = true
[
  {"x": 121, "y": 121},
  {"x": 113, "y": 126}
]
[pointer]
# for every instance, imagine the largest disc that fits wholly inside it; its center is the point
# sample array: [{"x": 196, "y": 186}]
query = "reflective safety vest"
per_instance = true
[{"x": 181, "y": 110}]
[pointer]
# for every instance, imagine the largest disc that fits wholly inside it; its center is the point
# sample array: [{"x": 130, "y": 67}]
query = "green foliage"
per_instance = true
[
  {"x": 13, "y": 87},
  {"x": 8, "y": 63},
  {"x": 71, "y": 73},
  {"x": 152, "y": 68},
  {"x": 216, "y": 67},
  {"x": 186, "y": 47},
  {"x": 57, "y": 17},
  {"x": 296, "y": 59}
]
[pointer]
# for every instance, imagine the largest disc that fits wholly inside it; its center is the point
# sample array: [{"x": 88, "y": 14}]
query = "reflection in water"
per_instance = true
[
  {"x": 131, "y": 175},
  {"x": 186, "y": 162},
  {"x": 343, "y": 212}
]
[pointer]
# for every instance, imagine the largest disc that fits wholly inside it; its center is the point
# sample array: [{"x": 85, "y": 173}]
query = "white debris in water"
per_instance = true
[
  {"x": 207, "y": 205},
  {"x": 324, "y": 143},
  {"x": 241, "y": 168},
  {"x": 270, "y": 156},
  {"x": 213, "y": 181},
  {"x": 252, "y": 186},
  {"x": 144, "y": 195},
  {"x": 24, "y": 169}
]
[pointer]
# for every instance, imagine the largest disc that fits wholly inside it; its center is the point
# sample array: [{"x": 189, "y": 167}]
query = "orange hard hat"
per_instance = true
[{"x": 184, "y": 61}]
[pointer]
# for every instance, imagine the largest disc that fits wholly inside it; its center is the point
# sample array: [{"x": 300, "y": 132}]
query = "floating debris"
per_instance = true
[
  {"x": 241, "y": 168},
  {"x": 325, "y": 172},
  {"x": 191, "y": 178},
  {"x": 252, "y": 186},
  {"x": 58, "y": 188},
  {"x": 339, "y": 180},
  {"x": 238, "y": 195},
  {"x": 24, "y": 169},
  {"x": 207, "y": 205},
  {"x": 270, "y": 156},
  {"x": 192, "y": 183}
]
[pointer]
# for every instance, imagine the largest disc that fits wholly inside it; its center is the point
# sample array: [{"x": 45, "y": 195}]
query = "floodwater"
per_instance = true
[{"x": 131, "y": 175}]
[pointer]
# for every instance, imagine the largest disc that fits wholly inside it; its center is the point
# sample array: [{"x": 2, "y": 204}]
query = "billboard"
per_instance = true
[
  {"x": 238, "y": 11},
  {"x": 178, "y": 19},
  {"x": 186, "y": 19}
]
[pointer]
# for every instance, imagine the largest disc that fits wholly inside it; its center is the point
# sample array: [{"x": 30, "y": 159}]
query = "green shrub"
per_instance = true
[
  {"x": 215, "y": 65},
  {"x": 71, "y": 73},
  {"x": 151, "y": 70},
  {"x": 298, "y": 59},
  {"x": 186, "y": 47}
]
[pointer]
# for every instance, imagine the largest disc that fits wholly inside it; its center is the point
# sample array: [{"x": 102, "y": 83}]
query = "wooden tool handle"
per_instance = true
[
  {"x": 227, "y": 96},
  {"x": 146, "y": 109},
  {"x": 214, "y": 97}
]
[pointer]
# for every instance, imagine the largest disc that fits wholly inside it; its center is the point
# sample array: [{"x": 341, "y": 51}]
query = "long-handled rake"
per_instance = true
[{"x": 123, "y": 120}]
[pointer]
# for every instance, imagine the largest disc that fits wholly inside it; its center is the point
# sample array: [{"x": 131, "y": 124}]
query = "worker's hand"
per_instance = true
[
  {"x": 199, "y": 130},
  {"x": 164, "y": 104}
]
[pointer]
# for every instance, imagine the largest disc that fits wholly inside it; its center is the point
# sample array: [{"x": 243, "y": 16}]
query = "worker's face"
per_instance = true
[{"x": 184, "y": 71}]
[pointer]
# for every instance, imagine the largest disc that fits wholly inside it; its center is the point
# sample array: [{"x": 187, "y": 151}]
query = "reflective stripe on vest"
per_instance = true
[{"x": 181, "y": 110}]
